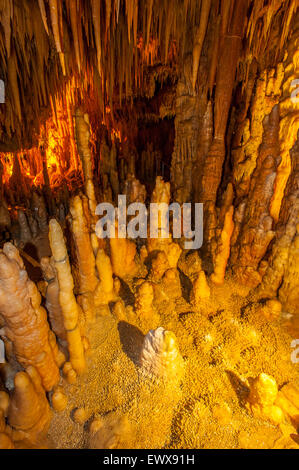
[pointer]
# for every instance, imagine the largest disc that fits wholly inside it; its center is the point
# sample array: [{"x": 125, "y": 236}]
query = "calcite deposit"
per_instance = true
[{"x": 149, "y": 231}]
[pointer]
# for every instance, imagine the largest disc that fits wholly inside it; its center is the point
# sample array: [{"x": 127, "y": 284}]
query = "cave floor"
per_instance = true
[{"x": 223, "y": 347}]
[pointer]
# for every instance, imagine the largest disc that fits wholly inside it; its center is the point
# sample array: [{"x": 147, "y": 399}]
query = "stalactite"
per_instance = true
[
  {"x": 96, "y": 16},
  {"x": 229, "y": 55},
  {"x": 289, "y": 122},
  {"x": 199, "y": 38},
  {"x": 41, "y": 4},
  {"x": 186, "y": 135},
  {"x": 13, "y": 83},
  {"x": 72, "y": 4},
  {"x": 26, "y": 327}
]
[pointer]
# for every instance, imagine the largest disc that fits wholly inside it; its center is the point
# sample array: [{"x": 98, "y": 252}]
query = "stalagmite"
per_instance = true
[
  {"x": 5, "y": 221},
  {"x": 84, "y": 264},
  {"x": 144, "y": 309},
  {"x": 190, "y": 264},
  {"x": 113, "y": 431},
  {"x": 263, "y": 393},
  {"x": 80, "y": 416},
  {"x": 171, "y": 284},
  {"x": 223, "y": 249},
  {"x": 245, "y": 153},
  {"x": 59, "y": 400},
  {"x": 159, "y": 265},
  {"x": 134, "y": 190},
  {"x": 52, "y": 298},
  {"x": 69, "y": 306},
  {"x": 160, "y": 357},
  {"x": 288, "y": 399},
  {"x": 201, "y": 289},
  {"x": 25, "y": 322},
  {"x": 288, "y": 292},
  {"x": 123, "y": 253},
  {"x": 4, "y": 402},
  {"x": 38, "y": 207},
  {"x": 69, "y": 373},
  {"x": 5, "y": 441},
  {"x": 161, "y": 195},
  {"x": 104, "y": 292},
  {"x": 82, "y": 139},
  {"x": 29, "y": 412},
  {"x": 25, "y": 232}
]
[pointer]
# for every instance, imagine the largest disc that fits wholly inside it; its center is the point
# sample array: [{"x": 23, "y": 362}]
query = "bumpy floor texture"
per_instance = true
[{"x": 225, "y": 344}]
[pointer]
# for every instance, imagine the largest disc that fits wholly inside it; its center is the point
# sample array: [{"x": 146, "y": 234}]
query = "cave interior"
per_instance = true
[{"x": 118, "y": 341}]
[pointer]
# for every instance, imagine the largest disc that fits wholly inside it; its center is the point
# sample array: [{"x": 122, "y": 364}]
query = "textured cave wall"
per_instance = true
[
  {"x": 236, "y": 143},
  {"x": 265, "y": 179}
]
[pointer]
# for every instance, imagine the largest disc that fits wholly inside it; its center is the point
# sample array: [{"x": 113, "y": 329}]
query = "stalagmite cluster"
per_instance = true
[{"x": 25, "y": 330}]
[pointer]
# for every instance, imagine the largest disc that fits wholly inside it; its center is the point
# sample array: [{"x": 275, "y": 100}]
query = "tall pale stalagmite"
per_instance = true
[
  {"x": 26, "y": 330},
  {"x": 69, "y": 306}
]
